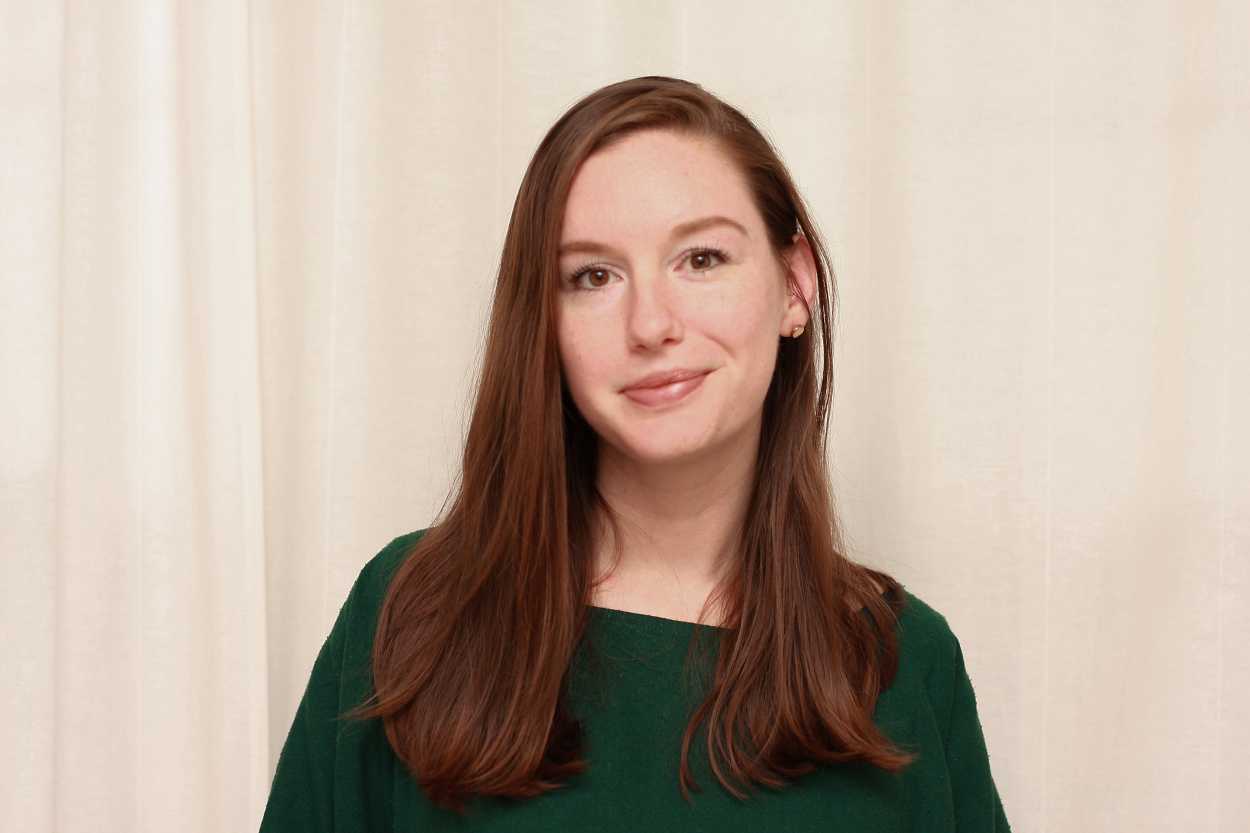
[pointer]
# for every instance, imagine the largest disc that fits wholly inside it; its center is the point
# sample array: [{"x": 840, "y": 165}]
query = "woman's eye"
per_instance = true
[
  {"x": 595, "y": 275},
  {"x": 699, "y": 256},
  {"x": 701, "y": 260}
]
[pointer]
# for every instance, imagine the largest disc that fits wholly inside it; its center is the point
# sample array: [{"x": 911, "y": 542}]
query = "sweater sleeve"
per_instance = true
[
  {"x": 977, "y": 806},
  {"x": 335, "y": 773},
  {"x": 301, "y": 797}
]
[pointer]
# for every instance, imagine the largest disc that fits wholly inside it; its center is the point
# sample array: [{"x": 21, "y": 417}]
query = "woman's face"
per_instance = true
[{"x": 661, "y": 287}]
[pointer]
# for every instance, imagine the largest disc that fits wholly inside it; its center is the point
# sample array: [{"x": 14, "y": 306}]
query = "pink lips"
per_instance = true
[{"x": 665, "y": 394}]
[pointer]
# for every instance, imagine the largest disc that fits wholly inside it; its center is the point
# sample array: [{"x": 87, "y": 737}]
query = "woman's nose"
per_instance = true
[{"x": 654, "y": 313}]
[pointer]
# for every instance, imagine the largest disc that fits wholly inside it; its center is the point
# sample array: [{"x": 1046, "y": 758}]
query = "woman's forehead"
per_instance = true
[{"x": 648, "y": 183}]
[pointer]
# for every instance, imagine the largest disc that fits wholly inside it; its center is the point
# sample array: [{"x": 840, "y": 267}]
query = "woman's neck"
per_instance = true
[{"x": 680, "y": 525}]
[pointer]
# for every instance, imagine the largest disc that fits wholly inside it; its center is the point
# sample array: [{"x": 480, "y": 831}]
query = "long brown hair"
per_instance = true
[{"x": 483, "y": 617}]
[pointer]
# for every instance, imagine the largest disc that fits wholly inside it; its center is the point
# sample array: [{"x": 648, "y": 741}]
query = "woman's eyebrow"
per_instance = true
[{"x": 680, "y": 230}]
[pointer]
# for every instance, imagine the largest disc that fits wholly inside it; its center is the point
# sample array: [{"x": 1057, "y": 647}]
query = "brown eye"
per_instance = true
[
  {"x": 701, "y": 259},
  {"x": 597, "y": 274}
]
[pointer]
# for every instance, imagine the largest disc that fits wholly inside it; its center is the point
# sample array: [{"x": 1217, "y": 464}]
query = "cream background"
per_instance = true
[{"x": 246, "y": 252}]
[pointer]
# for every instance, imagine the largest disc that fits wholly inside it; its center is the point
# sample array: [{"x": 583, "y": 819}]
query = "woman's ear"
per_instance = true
[{"x": 802, "y": 265}]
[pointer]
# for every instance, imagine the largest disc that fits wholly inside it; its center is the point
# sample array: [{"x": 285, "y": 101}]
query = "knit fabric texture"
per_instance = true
[{"x": 627, "y": 688}]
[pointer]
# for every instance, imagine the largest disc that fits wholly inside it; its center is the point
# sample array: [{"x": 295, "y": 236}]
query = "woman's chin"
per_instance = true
[{"x": 655, "y": 449}]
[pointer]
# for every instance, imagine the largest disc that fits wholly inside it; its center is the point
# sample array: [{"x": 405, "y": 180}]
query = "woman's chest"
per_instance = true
[{"x": 633, "y": 749}]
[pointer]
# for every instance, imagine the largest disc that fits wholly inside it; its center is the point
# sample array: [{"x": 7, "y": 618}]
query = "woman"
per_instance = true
[{"x": 637, "y": 613}]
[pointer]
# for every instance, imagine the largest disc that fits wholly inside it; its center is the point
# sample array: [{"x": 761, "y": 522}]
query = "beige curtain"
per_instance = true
[{"x": 246, "y": 251}]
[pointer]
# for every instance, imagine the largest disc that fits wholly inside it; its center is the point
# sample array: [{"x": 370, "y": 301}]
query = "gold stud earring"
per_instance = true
[{"x": 796, "y": 332}]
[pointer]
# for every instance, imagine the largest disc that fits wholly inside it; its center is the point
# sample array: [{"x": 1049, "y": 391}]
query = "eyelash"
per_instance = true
[{"x": 590, "y": 267}]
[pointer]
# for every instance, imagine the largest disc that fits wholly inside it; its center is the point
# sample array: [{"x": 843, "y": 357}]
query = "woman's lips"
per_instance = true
[{"x": 665, "y": 394}]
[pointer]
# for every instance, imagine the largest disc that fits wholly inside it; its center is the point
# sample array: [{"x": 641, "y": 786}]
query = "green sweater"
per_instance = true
[{"x": 346, "y": 778}]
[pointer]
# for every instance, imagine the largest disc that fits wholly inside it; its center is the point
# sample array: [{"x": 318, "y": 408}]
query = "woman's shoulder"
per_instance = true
[
  {"x": 358, "y": 616},
  {"x": 392, "y": 555},
  {"x": 929, "y": 651},
  {"x": 375, "y": 576},
  {"x": 920, "y": 621}
]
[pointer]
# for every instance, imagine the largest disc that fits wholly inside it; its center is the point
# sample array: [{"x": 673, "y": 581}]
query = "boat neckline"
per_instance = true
[{"x": 651, "y": 618}]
